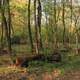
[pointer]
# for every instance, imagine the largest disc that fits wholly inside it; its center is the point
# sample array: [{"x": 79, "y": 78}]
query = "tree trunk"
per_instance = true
[
  {"x": 36, "y": 29},
  {"x": 76, "y": 43},
  {"x": 39, "y": 16},
  {"x": 2, "y": 35},
  {"x": 9, "y": 27},
  {"x": 5, "y": 23},
  {"x": 63, "y": 20},
  {"x": 71, "y": 9},
  {"x": 29, "y": 26},
  {"x": 55, "y": 25}
]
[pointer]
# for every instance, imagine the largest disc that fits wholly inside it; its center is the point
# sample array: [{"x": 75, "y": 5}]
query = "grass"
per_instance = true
[
  {"x": 69, "y": 62},
  {"x": 21, "y": 48},
  {"x": 12, "y": 70}
]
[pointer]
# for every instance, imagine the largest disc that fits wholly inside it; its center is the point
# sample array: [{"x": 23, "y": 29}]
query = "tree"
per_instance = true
[
  {"x": 63, "y": 20},
  {"x": 6, "y": 23},
  {"x": 39, "y": 16},
  {"x": 76, "y": 19},
  {"x": 2, "y": 43},
  {"x": 36, "y": 28},
  {"x": 71, "y": 10},
  {"x": 29, "y": 26},
  {"x": 55, "y": 25},
  {"x": 9, "y": 27},
  {"x": 4, "y": 19}
]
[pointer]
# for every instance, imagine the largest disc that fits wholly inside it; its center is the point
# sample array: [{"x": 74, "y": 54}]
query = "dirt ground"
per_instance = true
[{"x": 71, "y": 75}]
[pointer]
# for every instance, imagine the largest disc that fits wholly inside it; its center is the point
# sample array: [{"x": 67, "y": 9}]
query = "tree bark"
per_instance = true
[
  {"x": 29, "y": 26},
  {"x": 36, "y": 28},
  {"x": 39, "y": 22},
  {"x": 6, "y": 23},
  {"x": 55, "y": 25},
  {"x": 9, "y": 27},
  {"x": 63, "y": 20}
]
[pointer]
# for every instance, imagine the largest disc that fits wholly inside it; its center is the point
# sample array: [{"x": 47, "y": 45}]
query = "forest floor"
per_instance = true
[
  {"x": 23, "y": 74},
  {"x": 42, "y": 71},
  {"x": 68, "y": 69}
]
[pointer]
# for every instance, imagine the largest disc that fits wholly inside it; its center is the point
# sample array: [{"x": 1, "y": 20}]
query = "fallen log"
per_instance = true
[{"x": 24, "y": 61}]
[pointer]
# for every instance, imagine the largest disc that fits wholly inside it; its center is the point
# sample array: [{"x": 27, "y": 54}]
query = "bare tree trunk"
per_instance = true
[
  {"x": 71, "y": 9},
  {"x": 2, "y": 36},
  {"x": 76, "y": 43},
  {"x": 5, "y": 26},
  {"x": 29, "y": 26},
  {"x": 76, "y": 35},
  {"x": 9, "y": 27},
  {"x": 2, "y": 43},
  {"x": 55, "y": 25},
  {"x": 36, "y": 29},
  {"x": 63, "y": 20},
  {"x": 39, "y": 16},
  {"x": 5, "y": 23}
]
